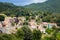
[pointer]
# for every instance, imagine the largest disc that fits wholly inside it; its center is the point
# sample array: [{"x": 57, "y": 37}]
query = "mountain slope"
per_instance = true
[
  {"x": 5, "y": 6},
  {"x": 10, "y": 9},
  {"x": 50, "y": 5}
]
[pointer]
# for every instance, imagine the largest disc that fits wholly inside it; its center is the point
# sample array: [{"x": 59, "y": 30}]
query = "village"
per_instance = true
[{"x": 11, "y": 24}]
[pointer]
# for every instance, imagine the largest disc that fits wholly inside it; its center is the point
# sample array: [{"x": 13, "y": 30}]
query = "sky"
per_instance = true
[{"x": 23, "y": 2}]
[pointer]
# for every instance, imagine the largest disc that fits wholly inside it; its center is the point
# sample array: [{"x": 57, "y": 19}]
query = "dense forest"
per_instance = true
[{"x": 50, "y": 5}]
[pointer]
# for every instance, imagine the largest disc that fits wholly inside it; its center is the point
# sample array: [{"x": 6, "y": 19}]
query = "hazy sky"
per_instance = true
[{"x": 23, "y": 2}]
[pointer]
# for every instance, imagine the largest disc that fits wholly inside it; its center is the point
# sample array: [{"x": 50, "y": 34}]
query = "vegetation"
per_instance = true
[
  {"x": 26, "y": 34},
  {"x": 58, "y": 36},
  {"x": 19, "y": 34},
  {"x": 49, "y": 5},
  {"x": 45, "y": 12},
  {"x": 37, "y": 35},
  {"x": 2, "y": 17}
]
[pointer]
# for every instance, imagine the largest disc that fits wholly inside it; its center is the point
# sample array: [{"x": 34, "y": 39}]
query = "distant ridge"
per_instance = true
[{"x": 50, "y": 5}]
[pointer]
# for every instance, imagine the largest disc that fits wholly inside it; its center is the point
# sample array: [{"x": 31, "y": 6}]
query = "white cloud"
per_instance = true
[
  {"x": 34, "y": 1},
  {"x": 38, "y": 1},
  {"x": 23, "y": 2},
  {"x": 27, "y": 2}
]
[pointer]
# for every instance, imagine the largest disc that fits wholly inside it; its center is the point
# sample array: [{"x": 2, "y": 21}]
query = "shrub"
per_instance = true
[
  {"x": 2, "y": 17},
  {"x": 28, "y": 33},
  {"x": 36, "y": 35}
]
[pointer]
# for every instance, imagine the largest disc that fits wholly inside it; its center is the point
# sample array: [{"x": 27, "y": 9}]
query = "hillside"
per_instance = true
[
  {"x": 50, "y": 5},
  {"x": 5, "y": 6},
  {"x": 12, "y": 10}
]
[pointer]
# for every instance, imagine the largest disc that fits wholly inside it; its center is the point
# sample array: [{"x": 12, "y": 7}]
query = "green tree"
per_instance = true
[
  {"x": 19, "y": 34},
  {"x": 58, "y": 21},
  {"x": 38, "y": 21},
  {"x": 58, "y": 36},
  {"x": 49, "y": 31},
  {"x": 25, "y": 23},
  {"x": 46, "y": 19},
  {"x": 37, "y": 35},
  {"x": 2, "y": 17},
  {"x": 28, "y": 33},
  {"x": 7, "y": 37},
  {"x": 48, "y": 38}
]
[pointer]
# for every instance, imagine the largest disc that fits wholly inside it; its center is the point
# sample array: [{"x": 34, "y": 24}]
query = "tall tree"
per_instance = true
[
  {"x": 37, "y": 35},
  {"x": 28, "y": 33}
]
